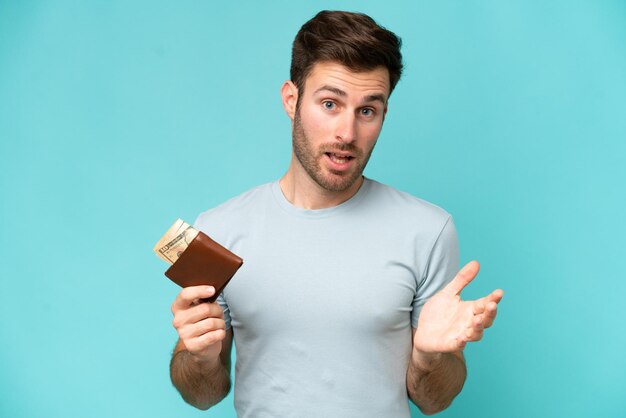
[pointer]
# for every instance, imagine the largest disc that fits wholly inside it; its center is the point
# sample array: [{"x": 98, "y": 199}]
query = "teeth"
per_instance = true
[{"x": 338, "y": 159}]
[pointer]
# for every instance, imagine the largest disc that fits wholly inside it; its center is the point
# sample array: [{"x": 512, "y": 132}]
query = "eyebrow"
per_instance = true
[{"x": 339, "y": 92}]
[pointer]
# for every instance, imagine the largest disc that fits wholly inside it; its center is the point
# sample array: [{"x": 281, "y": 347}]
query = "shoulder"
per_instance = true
[
  {"x": 235, "y": 208},
  {"x": 404, "y": 206}
]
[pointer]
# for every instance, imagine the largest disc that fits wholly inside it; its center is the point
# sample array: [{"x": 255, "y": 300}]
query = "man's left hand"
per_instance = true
[{"x": 446, "y": 323}]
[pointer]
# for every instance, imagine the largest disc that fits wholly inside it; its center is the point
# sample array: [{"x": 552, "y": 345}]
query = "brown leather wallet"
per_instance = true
[{"x": 204, "y": 262}]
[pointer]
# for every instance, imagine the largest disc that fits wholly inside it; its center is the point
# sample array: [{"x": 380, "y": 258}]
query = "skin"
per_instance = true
[
  {"x": 336, "y": 122},
  {"x": 437, "y": 372},
  {"x": 341, "y": 112},
  {"x": 200, "y": 365}
]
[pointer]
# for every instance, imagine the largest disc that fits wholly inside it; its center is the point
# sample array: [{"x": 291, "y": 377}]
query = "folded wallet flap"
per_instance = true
[{"x": 204, "y": 262}]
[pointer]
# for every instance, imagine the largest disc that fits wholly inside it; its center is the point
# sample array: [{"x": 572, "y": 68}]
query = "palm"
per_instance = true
[
  {"x": 446, "y": 322},
  {"x": 442, "y": 323}
]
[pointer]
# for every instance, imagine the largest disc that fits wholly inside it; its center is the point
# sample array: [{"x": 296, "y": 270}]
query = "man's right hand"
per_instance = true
[{"x": 200, "y": 325}]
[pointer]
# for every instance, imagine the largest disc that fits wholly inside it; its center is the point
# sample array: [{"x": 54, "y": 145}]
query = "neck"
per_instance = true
[{"x": 303, "y": 192}]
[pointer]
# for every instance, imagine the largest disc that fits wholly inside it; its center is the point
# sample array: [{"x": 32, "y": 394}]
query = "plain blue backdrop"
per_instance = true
[{"x": 117, "y": 117}]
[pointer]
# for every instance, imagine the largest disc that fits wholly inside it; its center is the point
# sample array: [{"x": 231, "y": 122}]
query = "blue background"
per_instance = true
[{"x": 118, "y": 117}]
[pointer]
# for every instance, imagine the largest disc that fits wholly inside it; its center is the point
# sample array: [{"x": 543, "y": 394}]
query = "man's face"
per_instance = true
[{"x": 337, "y": 122}]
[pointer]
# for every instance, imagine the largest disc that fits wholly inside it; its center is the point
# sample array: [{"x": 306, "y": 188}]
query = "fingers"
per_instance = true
[
  {"x": 490, "y": 314},
  {"x": 473, "y": 332},
  {"x": 200, "y": 328},
  {"x": 484, "y": 314},
  {"x": 190, "y": 296},
  {"x": 490, "y": 302},
  {"x": 199, "y": 325},
  {"x": 496, "y": 296},
  {"x": 204, "y": 342},
  {"x": 463, "y": 277},
  {"x": 478, "y": 306},
  {"x": 461, "y": 342},
  {"x": 197, "y": 313}
]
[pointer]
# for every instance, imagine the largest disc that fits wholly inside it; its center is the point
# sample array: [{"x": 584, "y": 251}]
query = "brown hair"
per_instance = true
[{"x": 354, "y": 40}]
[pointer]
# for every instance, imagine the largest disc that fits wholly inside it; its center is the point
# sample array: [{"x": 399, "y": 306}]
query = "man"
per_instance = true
[{"x": 347, "y": 304}]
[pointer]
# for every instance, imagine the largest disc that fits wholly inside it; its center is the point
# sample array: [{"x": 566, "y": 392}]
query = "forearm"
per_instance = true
[
  {"x": 201, "y": 384},
  {"x": 434, "y": 380}
]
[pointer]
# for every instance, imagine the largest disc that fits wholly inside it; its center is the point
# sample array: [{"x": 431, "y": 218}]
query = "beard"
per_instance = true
[{"x": 310, "y": 159}]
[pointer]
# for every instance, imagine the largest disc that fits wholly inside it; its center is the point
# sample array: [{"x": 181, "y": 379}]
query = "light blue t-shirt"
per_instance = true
[{"x": 323, "y": 305}]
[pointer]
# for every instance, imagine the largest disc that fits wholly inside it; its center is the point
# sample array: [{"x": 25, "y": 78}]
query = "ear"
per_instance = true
[
  {"x": 289, "y": 94},
  {"x": 385, "y": 112}
]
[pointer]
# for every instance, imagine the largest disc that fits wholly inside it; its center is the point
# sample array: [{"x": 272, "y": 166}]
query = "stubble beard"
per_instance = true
[{"x": 310, "y": 160}]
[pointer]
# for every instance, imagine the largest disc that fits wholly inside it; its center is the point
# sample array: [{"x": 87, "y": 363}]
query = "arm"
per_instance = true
[
  {"x": 434, "y": 380},
  {"x": 200, "y": 365},
  {"x": 437, "y": 372}
]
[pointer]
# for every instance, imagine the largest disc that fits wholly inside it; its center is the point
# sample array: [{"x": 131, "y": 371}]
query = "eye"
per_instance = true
[
  {"x": 328, "y": 105},
  {"x": 367, "y": 111}
]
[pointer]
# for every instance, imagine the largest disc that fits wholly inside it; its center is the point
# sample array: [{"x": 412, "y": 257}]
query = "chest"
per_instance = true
[{"x": 319, "y": 280}]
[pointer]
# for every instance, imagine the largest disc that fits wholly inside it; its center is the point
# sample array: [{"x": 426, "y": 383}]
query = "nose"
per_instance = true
[{"x": 345, "y": 130}]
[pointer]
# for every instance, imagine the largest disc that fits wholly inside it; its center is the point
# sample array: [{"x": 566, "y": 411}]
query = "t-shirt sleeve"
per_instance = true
[
  {"x": 224, "y": 305},
  {"x": 441, "y": 267}
]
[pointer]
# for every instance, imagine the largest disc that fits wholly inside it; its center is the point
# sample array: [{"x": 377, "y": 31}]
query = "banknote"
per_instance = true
[
  {"x": 175, "y": 241},
  {"x": 174, "y": 230}
]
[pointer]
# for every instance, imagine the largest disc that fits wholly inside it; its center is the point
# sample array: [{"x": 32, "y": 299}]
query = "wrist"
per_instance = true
[
  {"x": 426, "y": 360},
  {"x": 204, "y": 361}
]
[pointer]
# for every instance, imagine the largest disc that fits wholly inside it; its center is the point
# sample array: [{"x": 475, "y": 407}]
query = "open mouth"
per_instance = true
[{"x": 339, "y": 158}]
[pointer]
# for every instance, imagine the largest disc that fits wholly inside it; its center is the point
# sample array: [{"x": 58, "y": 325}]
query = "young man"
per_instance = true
[{"x": 347, "y": 304}]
